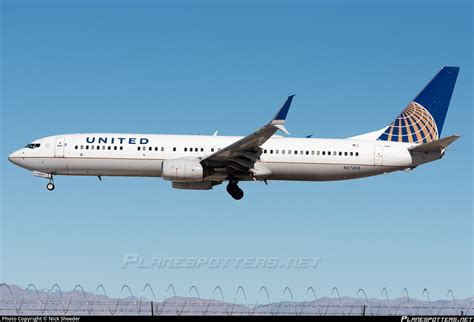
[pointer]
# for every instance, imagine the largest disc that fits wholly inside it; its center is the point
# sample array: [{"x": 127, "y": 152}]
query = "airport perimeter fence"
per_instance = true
[{"x": 31, "y": 301}]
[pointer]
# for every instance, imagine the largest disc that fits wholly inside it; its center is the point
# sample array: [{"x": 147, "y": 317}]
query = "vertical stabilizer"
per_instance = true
[{"x": 422, "y": 120}]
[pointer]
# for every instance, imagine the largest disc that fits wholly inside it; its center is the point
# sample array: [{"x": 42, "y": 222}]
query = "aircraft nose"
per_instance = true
[{"x": 13, "y": 157}]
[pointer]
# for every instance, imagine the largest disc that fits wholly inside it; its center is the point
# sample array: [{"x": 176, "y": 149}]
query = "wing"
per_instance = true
[{"x": 238, "y": 159}]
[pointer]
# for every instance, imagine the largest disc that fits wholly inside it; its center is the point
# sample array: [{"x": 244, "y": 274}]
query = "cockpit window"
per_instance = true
[{"x": 32, "y": 146}]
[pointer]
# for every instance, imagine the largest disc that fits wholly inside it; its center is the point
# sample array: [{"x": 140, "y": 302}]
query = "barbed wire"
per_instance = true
[{"x": 79, "y": 302}]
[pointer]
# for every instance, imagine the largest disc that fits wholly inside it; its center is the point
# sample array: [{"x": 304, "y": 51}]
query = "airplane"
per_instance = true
[{"x": 200, "y": 162}]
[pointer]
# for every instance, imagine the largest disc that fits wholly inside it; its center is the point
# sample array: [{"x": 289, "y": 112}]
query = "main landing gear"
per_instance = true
[{"x": 234, "y": 190}]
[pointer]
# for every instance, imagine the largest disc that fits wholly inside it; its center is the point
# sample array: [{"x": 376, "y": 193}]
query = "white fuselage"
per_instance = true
[
  {"x": 305, "y": 159},
  {"x": 200, "y": 162}
]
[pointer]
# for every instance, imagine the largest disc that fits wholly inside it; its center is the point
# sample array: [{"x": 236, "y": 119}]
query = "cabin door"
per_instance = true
[
  {"x": 59, "y": 148},
  {"x": 378, "y": 155}
]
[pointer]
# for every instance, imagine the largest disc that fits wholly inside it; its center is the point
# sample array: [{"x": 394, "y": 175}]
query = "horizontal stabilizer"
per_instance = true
[{"x": 435, "y": 145}]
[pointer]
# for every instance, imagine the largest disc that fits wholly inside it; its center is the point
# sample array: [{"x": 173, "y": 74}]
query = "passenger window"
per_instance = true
[
  {"x": 282, "y": 151},
  {"x": 212, "y": 149},
  {"x": 76, "y": 147},
  {"x": 121, "y": 147},
  {"x": 352, "y": 154},
  {"x": 150, "y": 149},
  {"x": 265, "y": 151},
  {"x": 138, "y": 148},
  {"x": 174, "y": 149},
  {"x": 276, "y": 152},
  {"x": 98, "y": 147},
  {"x": 345, "y": 154},
  {"x": 307, "y": 152},
  {"x": 185, "y": 149},
  {"x": 334, "y": 153},
  {"x": 109, "y": 148},
  {"x": 301, "y": 152},
  {"x": 202, "y": 149},
  {"x": 289, "y": 151},
  {"x": 271, "y": 151},
  {"x": 357, "y": 154},
  {"x": 312, "y": 152},
  {"x": 162, "y": 148},
  {"x": 329, "y": 152},
  {"x": 92, "y": 147},
  {"x": 296, "y": 152},
  {"x": 324, "y": 152},
  {"x": 115, "y": 147},
  {"x": 340, "y": 153},
  {"x": 87, "y": 147},
  {"x": 317, "y": 152}
]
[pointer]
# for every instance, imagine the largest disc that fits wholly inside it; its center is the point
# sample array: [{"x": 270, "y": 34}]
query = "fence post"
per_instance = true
[{"x": 152, "y": 313}]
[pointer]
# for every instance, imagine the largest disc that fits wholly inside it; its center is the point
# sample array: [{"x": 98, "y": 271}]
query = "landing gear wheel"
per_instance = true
[
  {"x": 238, "y": 194},
  {"x": 234, "y": 190},
  {"x": 50, "y": 186},
  {"x": 231, "y": 188}
]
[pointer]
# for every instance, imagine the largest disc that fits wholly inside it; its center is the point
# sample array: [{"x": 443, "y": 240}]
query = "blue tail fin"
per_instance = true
[{"x": 422, "y": 120}]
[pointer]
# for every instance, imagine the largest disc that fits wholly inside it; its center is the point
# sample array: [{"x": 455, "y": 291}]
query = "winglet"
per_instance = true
[
  {"x": 281, "y": 115},
  {"x": 282, "y": 128}
]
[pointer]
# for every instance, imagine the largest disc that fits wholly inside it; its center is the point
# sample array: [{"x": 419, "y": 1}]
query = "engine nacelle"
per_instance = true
[
  {"x": 201, "y": 185},
  {"x": 183, "y": 170}
]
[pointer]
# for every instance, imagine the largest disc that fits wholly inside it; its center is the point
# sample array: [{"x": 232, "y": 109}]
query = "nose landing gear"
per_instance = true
[
  {"x": 50, "y": 185},
  {"x": 234, "y": 190}
]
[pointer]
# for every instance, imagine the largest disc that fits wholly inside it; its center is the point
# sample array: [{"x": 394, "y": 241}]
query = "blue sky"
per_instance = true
[{"x": 186, "y": 67}]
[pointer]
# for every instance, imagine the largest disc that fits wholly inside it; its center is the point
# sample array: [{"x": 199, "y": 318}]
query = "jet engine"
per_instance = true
[
  {"x": 183, "y": 170},
  {"x": 201, "y": 185}
]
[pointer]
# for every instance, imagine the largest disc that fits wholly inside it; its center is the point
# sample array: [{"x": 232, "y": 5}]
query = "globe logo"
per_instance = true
[{"x": 414, "y": 125}]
